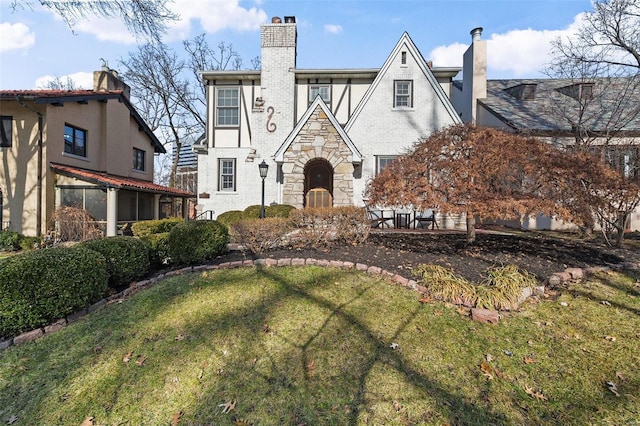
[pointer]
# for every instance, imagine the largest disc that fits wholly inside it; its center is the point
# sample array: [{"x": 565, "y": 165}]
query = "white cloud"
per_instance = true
[
  {"x": 214, "y": 16},
  {"x": 106, "y": 30},
  {"x": 516, "y": 53},
  {"x": 81, "y": 80},
  {"x": 333, "y": 29},
  {"x": 15, "y": 37}
]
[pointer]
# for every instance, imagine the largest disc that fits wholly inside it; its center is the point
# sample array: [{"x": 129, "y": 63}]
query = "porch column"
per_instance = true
[
  {"x": 112, "y": 212},
  {"x": 156, "y": 206}
]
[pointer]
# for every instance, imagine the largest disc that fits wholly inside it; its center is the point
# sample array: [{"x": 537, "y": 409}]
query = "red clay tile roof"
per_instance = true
[
  {"x": 47, "y": 93},
  {"x": 120, "y": 182}
]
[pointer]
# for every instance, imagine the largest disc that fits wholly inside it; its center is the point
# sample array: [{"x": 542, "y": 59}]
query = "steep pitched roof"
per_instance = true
[
  {"x": 59, "y": 97},
  {"x": 114, "y": 181},
  {"x": 550, "y": 105},
  {"x": 318, "y": 102},
  {"x": 405, "y": 40}
]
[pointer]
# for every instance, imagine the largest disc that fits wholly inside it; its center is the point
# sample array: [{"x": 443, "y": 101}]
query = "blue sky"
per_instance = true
[{"x": 36, "y": 45}]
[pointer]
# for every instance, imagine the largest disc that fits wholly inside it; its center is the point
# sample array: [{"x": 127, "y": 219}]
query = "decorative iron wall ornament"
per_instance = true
[{"x": 271, "y": 127}]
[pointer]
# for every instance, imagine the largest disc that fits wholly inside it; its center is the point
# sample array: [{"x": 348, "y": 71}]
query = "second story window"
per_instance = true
[
  {"x": 323, "y": 91},
  {"x": 6, "y": 131},
  {"x": 402, "y": 94},
  {"x": 75, "y": 141},
  {"x": 227, "y": 106},
  {"x": 138, "y": 159}
]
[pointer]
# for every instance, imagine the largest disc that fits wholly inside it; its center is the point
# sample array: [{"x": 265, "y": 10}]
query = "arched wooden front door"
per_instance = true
[{"x": 318, "y": 184}]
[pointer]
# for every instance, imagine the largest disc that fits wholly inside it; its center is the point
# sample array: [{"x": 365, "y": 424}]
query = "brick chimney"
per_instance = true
[{"x": 107, "y": 79}]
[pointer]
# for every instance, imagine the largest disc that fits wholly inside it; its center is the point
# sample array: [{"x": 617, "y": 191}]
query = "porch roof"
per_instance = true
[{"x": 119, "y": 182}]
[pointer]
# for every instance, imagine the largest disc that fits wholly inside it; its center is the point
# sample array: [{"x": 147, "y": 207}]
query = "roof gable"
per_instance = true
[
  {"x": 404, "y": 42},
  {"x": 317, "y": 103}
]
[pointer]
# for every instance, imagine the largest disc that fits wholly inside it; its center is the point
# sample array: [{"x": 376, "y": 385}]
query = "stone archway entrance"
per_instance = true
[{"x": 318, "y": 184}]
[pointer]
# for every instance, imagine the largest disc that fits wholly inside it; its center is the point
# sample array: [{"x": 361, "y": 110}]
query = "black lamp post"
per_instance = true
[{"x": 264, "y": 168}]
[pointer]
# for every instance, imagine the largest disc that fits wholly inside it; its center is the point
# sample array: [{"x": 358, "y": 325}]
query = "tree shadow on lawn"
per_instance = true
[{"x": 239, "y": 358}]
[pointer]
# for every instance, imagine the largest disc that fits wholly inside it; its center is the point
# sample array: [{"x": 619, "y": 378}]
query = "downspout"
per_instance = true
[{"x": 39, "y": 167}]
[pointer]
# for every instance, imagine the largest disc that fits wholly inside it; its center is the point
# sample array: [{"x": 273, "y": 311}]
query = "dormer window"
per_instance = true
[
  {"x": 578, "y": 91},
  {"x": 523, "y": 92}
]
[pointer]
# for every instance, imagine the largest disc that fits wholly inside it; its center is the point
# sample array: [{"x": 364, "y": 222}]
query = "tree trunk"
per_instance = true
[
  {"x": 620, "y": 225},
  {"x": 471, "y": 228}
]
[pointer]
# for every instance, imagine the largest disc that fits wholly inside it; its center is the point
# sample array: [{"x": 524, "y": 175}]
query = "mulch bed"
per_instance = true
[{"x": 400, "y": 252}]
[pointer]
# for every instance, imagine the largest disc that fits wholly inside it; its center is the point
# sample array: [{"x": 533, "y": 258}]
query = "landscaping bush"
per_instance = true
[
  {"x": 322, "y": 227},
  {"x": 252, "y": 212},
  {"x": 260, "y": 235},
  {"x": 41, "y": 286},
  {"x": 127, "y": 258},
  {"x": 195, "y": 242},
  {"x": 502, "y": 288},
  {"x": 158, "y": 245},
  {"x": 158, "y": 226},
  {"x": 30, "y": 243},
  {"x": 75, "y": 224},
  {"x": 230, "y": 217},
  {"x": 10, "y": 241},
  {"x": 279, "y": 210}
]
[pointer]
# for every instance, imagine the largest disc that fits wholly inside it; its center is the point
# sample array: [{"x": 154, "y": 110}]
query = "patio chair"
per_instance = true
[
  {"x": 379, "y": 219},
  {"x": 427, "y": 216}
]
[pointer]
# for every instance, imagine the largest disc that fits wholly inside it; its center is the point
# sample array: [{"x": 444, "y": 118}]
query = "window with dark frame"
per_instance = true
[
  {"x": 227, "y": 174},
  {"x": 625, "y": 159},
  {"x": 402, "y": 94},
  {"x": 322, "y": 90},
  {"x": 138, "y": 159},
  {"x": 403, "y": 56},
  {"x": 6, "y": 131},
  {"x": 227, "y": 106},
  {"x": 75, "y": 141}
]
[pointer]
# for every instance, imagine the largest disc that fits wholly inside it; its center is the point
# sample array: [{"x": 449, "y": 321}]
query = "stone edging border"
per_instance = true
[{"x": 557, "y": 278}]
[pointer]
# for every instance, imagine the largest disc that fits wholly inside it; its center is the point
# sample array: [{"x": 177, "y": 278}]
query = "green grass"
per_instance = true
[{"x": 312, "y": 346}]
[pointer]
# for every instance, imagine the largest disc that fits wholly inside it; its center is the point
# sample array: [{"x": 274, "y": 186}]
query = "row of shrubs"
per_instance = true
[
  {"x": 40, "y": 286},
  {"x": 14, "y": 241},
  {"x": 306, "y": 228}
]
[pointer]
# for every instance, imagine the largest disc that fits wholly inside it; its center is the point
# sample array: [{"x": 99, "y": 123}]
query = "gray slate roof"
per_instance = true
[{"x": 553, "y": 105}]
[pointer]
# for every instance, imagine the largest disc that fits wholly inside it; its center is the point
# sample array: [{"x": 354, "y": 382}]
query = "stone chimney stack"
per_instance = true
[
  {"x": 474, "y": 76},
  {"x": 107, "y": 79}
]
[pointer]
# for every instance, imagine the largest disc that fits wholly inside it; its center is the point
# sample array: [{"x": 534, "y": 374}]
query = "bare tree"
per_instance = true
[
  {"x": 143, "y": 18},
  {"x": 166, "y": 96},
  {"x": 58, "y": 83}
]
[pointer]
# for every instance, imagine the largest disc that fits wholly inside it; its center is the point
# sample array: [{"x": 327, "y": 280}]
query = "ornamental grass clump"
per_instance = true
[{"x": 501, "y": 290}]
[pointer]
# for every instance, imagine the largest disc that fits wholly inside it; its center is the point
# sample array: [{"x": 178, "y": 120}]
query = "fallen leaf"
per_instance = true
[
  {"x": 180, "y": 337},
  {"x": 619, "y": 375},
  {"x": 266, "y": 328},
  {"x": 12, "y": 419},
  {"x": 140, "y": 361},
  {"x": 462, "y": 311},
  {"x": 311, "y": 366},
  {"x": 394, "y": 346},
  {"x": 425, "y": 299},
  {"x": 507, "y": 352},
  {"x": 488, "y": 357},
  {"x": 528, "y": 360},
  {"x": 534, "y": 394},
  {"x": 487, "y": 371},
  {"x": 613, "y": 388},
  {"x": 604, "y": 302},
  {"x": 88, "y": 421},
  {"x": 610, "y": 338},
  {"x": 227, "y": 406},
  {"x": 127, "y": 357},
  {"x": 438, "y": 313},
  {"x": 175, "y": 419},
  {"x": 397, "y": 406}
]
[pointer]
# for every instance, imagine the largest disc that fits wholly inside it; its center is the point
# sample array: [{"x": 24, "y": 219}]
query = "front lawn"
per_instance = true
[{"x": 314, "y": 346}]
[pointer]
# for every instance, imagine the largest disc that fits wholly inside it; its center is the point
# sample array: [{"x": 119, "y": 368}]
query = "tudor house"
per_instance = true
[
  {"x": 323, "y": 132},
  {"x": 81, "y": 148}
]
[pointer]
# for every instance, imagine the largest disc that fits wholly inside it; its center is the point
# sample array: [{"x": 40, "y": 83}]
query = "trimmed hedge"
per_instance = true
[
  {"x": 41, "y": 286},
  {"x": 127, "y": 258},
  {"x": 195, "y": 242},
  {"x": 158, "y": 245},
  {"x": 279, "y": 210},
  {"x": 10, "y": 241},
  {"x": 158, "y": 226},
  {"x": 230, "y": 217}
]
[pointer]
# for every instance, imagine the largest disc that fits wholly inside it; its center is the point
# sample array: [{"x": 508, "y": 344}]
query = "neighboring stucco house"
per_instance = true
[
  {"x": 83, "y": 148},
  {"x": 323, "y": 132},
  {"x": 603, "y": 114}
]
